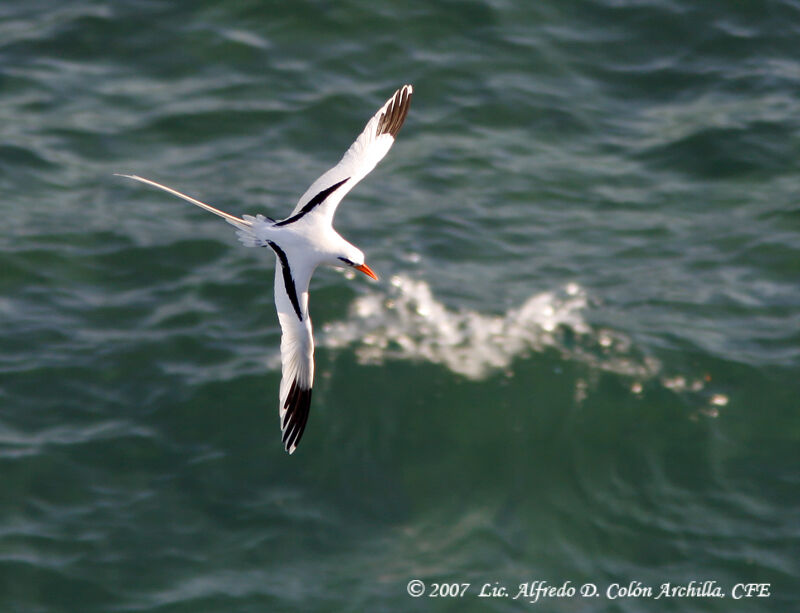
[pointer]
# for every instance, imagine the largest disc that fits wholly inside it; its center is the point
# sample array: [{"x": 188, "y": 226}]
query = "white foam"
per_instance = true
[{"x": 407, "y": 322}]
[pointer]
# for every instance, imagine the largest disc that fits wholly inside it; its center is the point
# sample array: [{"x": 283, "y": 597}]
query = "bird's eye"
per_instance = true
[{"x": 346, "y": 261}]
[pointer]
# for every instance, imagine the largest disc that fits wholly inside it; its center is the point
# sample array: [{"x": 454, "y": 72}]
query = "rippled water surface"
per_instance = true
[{"x": 582, "y": 361}]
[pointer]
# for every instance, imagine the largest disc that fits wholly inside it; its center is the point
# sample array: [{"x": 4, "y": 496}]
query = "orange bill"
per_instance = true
[{"x": 367, "y": 271}]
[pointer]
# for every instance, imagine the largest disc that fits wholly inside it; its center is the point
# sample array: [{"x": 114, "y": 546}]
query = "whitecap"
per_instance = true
[{"x": 407, "y": 322}]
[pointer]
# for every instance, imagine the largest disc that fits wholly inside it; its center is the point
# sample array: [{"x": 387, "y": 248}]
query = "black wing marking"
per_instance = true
[
  {"x": 288, "y": 280},
  {"x": 395, "y": 114},
  {"x": 297, "y": 405},
  {"x": 314, "y": 202}
]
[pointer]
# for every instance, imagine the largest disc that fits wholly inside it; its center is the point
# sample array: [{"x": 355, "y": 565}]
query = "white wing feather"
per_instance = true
[
  {"x": 363, "y": 155},
  {"x": 297, "y": 356}
]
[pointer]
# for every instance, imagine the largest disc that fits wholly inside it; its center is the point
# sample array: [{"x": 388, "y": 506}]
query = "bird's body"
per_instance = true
[{"x": 305, "y": 240}]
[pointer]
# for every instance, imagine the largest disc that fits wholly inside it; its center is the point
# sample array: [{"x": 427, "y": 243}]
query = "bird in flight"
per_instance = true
[{"x": 303, "y": 241}]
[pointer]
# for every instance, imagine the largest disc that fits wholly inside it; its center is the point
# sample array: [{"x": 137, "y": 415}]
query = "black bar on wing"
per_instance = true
[
  {"x": 288, "y": 280},
  {"x": 314, "y": 202}
]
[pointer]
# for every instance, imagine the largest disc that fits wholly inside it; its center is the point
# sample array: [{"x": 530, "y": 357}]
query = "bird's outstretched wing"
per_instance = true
[
  {"x": 297, "y": 348},
  {"x": 373, "y": 143}
]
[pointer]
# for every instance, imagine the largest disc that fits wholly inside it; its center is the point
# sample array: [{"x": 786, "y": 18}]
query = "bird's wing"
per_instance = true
[
  {"x": 297, "y": 348},
  {"x": 372, "y": 144},
  {"x": 231, "y": 219}
]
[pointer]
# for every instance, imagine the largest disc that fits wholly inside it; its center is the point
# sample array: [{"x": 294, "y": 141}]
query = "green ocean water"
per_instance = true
[{"x": 581, "y": 363}]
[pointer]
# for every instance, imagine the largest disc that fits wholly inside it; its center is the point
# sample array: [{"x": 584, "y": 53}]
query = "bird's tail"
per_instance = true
[
  {"x": 252, "y": 234},
  {"x": 242, "y": 224}
]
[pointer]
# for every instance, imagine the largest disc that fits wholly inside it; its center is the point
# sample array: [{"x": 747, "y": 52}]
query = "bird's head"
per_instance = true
[{"x": 354, "y": 258}]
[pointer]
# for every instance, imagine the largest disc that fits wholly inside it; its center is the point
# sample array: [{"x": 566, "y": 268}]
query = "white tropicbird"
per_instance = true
[{"x": 303, "y": 241}]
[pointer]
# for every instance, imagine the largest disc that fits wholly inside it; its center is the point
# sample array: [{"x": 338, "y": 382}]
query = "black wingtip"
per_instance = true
[
  {"x": 298, "y": 406},
  {"x": 395, "y": 114}
]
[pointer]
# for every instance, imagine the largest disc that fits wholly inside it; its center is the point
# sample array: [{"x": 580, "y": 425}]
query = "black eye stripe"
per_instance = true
[{"x": 346, "y": 261}]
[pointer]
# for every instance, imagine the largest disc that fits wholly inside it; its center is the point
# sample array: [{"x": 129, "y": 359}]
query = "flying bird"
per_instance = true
[{"x": 303, "y": 241}]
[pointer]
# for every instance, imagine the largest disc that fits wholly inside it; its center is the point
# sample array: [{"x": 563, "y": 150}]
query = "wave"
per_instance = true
[{"x": 407, "y": 322}]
